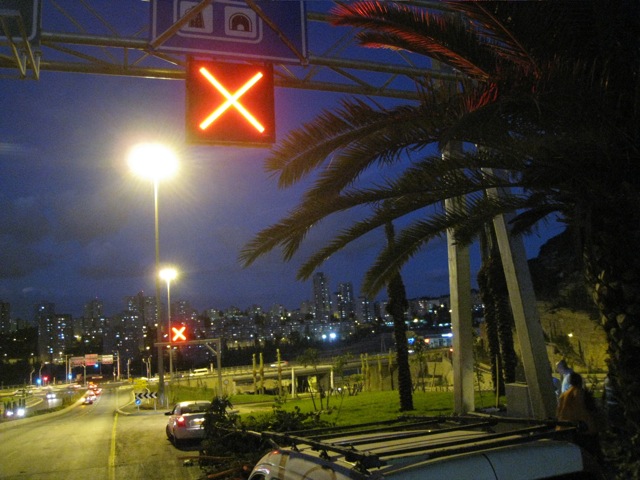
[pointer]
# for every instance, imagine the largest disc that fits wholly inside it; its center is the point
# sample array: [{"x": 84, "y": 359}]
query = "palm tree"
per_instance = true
[
  {"x": 498, "y": 317},
  {"x": 549, "y": 94},
  {"x": 397, "y": 308}
]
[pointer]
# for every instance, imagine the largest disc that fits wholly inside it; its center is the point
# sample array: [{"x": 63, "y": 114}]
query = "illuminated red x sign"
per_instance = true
[
  {"x": 231, "y": 100},
  {"x": 230, "y": 103},
  {"x": 178, "y": 334}
]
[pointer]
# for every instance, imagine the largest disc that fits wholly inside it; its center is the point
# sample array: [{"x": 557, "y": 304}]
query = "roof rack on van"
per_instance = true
[{"x": 394, "y": 438}]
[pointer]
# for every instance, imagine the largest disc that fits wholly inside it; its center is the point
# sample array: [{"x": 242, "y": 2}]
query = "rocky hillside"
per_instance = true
[{"x": 567, "y": 314}]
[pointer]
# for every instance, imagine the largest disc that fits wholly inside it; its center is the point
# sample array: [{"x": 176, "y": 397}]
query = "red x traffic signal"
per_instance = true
[
  {"x": 230, "y": 103},
  {"x": 178, "y": 334}
]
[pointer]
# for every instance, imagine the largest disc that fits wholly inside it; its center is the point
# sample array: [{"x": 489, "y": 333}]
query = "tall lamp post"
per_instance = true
[
  {"x": 169, "y": 274},
  {"x": 155, "y": 162}
]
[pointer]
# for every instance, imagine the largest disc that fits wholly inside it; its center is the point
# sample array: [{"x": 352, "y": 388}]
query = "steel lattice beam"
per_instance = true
[{"x": 91, "y": 52}]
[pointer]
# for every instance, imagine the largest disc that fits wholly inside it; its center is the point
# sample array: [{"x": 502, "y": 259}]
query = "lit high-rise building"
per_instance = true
[
  {"x": 55, "y": 331},
  {"x": 142, "y": 310},
  {"x": 93, "y": 321},
  {"x": 321, "y": 297},
  {"x": 345, "y": 305},
  {"x": 365, "y": 310},
  {"x": 5, "y": 318}
]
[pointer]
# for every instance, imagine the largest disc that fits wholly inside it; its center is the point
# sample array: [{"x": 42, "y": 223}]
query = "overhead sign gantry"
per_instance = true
[{"x": 96, "y": 37}]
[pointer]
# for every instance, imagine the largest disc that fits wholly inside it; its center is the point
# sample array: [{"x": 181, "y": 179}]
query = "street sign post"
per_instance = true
[{"x": 269, "y": 31}]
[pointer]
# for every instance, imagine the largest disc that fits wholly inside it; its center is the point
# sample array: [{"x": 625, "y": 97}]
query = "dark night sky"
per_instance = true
[{"x": 75, "y": 224}]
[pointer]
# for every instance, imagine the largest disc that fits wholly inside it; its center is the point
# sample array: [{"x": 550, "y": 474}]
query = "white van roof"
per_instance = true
[{"x": 427, "y": 447}]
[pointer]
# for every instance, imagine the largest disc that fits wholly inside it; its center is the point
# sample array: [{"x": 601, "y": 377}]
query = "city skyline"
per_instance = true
[{"x": 94, "y": 307}]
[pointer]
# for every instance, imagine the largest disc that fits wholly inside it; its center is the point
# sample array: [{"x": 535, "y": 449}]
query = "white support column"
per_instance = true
[
  {"x": 461, "y": 320},
  {"x": 535, "y": 360}
]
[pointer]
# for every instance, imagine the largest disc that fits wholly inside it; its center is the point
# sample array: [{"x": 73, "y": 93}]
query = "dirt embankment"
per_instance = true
[{"x": 575, "y": 336}]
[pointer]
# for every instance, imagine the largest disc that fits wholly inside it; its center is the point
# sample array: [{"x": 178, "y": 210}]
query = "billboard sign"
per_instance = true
[{"x": 232, "y": 29}]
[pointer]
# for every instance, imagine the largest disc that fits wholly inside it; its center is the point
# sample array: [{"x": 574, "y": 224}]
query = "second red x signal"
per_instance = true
[
  {"x": 178, "y": 334},
  {"x": 230, "y": 103}
]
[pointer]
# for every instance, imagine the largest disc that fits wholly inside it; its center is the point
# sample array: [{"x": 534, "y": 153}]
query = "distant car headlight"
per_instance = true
[
  {"x": 51, "y": 396},
  {"x": 20, "y": 412}
]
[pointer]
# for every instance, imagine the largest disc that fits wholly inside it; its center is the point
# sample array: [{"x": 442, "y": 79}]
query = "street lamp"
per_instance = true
[
  {"x": 168, "y": 274},
  {"x": 155, "y": 162}
]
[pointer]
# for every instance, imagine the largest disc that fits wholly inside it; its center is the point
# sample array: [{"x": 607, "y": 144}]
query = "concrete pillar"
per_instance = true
[
  {"x": 461, "y": 320},
  {"x": 528, "y": 328},
  {"x": 293, "y": 383}
]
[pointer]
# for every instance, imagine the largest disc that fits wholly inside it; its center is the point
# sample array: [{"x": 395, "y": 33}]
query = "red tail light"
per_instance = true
[{"x": 180, "y": 421}]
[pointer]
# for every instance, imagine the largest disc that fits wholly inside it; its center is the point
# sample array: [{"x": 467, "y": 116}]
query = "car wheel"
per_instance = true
[
  {"x": 169, "y": 436},
  {"x": 177, "y": 442}
]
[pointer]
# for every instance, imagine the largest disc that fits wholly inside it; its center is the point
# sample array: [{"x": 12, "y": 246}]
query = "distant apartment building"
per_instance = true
[
  {"x": 93, "y": 322},
  {"x": 307, "y": 309},
  {"x": 93, "y": 308},
  {"x": 321, "y": 297},
  {"x": 130, "y": 328},
  {"x": 345, "y": 302},
  {"x": 5, "y": 318},
  {"x": 365, "y": 312},
  {"x": 127, "y": 336},
  {"x": 144, "y": 307},
  {"x": 55, "y": 332},
  {"x": 181, "y": 310}
]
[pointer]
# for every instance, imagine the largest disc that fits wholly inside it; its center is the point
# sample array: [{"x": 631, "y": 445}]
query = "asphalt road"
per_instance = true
[{"x": 94, "y": 442}]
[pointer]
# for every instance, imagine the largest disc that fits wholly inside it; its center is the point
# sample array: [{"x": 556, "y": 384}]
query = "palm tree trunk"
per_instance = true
[
  {"x": 612, "y": 268},
  {"x": 498, "y": 315},
  {"x": 396, "y": 308},
  {"x": 491, "y": 325},
  {"x": 504, "y": 319}
]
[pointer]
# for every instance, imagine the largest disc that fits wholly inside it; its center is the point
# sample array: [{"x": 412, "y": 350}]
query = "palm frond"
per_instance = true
[
  {"x": 440, "y": 35},
  {"x": 465, "y": 221}
]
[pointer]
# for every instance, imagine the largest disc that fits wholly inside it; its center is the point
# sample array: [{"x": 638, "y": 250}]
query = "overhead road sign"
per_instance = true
[
  {"x": 106, "y": 359},
  {"x": 243, "y": 30},
  {"x": 19, "y": 20},
  {"x": 20, "y": 31},
  {"x": 90, "y": 359},
  {"x": 76, "y": 361},
  {"x": 230, "y": 103}
]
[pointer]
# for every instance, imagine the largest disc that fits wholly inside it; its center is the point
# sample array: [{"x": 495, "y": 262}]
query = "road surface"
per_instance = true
[{"x": 94, "y": 442}]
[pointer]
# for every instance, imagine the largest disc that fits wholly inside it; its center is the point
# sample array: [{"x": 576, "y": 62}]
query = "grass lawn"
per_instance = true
[
  {"x": 380, "y": 406},
  {"x": 346, "y": 410}
]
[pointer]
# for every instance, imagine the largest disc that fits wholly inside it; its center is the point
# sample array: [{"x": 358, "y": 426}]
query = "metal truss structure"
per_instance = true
[{"x": 112, "y": 38}]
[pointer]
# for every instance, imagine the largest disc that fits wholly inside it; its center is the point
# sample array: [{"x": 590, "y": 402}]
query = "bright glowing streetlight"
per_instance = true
[
  {"x": 155, "y": 162},
  {"x": 169, "y": 274}
]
